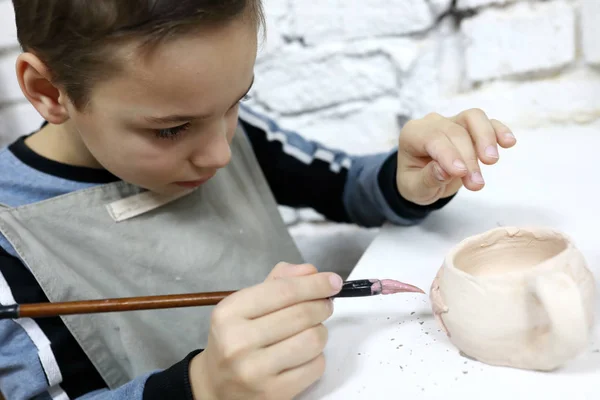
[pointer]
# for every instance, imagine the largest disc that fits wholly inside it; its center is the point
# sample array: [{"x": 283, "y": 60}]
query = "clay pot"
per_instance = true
[{"x": 516, "y": 297}]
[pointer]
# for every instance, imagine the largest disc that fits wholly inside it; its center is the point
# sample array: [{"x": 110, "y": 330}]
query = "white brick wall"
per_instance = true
[
  {"x": 590, "y": 27},
  {"x": 11, "y": 92},
  {"x": 468, "y": 4},
  {"x": 18, "y": 119},
  {"x": 8, "y": 29},
  {"x": 523, "y": 38},
  {"x": 17, "y": 116},
  {"x": 329, "y": 20},
  {"x": 302, "y": 81},
  {"x": 343, "y": 71},
  {"x": 525, "y": 60}
]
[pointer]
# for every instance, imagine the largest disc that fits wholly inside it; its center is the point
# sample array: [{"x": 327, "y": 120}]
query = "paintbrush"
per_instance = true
[{"x": 358, "y": 288}]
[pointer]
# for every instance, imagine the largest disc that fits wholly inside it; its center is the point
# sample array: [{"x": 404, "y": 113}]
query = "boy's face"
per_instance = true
[{"x": 167, "y": 121}]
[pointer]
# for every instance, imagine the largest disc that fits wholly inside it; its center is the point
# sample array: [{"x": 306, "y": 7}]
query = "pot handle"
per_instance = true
[{"x": 561, "y": 298}]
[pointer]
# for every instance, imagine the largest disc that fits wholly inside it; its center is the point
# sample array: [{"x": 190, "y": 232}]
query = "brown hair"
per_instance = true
[{"x": 74, "y": 38}]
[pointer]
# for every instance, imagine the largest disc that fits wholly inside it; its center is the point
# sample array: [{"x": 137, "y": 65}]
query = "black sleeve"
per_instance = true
[
  {"x": 296, "y": 183},
  {"x": 172, "y": 383}
]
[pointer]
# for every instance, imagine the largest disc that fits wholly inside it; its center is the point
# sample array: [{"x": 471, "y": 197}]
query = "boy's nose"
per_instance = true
[{"x": 212, "y": 153}]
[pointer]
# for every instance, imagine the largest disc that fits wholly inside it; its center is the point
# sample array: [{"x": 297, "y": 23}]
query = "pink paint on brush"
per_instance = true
[
  {"x": 374, "y": 287},
  {"x": 390, "y": 286}
]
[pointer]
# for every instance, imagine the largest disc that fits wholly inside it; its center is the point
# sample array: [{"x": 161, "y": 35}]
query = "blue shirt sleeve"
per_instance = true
[{"x": 19, "y": 363}]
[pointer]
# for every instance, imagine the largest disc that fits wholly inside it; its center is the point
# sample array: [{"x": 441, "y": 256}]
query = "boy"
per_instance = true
[{"x": 148, "y": 177}]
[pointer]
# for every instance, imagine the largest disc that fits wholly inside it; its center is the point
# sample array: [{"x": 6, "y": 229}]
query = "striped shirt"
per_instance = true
[{"x": 40, "y": 358}]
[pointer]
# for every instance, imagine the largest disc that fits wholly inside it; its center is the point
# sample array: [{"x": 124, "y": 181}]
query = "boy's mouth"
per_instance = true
[{"x": 193, "y": 184}]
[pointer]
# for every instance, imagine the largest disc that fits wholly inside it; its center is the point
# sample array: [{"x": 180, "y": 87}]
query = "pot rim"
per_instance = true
[{"x": 510, "y": 231}]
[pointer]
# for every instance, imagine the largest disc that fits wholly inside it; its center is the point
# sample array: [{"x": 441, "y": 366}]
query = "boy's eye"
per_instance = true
[{"x": 172, "y": 133}]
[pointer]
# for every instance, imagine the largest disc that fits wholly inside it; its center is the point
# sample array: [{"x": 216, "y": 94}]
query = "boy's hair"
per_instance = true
[{"x": 76, "y": 38}]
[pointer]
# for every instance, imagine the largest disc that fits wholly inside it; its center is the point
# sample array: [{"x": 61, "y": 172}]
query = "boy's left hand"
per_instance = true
[{"x": 438, "y": 155}]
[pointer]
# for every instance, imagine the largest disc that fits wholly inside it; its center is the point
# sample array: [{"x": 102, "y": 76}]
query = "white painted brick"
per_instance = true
[
  {"x": 467, "y": 4},
  {"x": 450, "y": 59},
  {"x": 302, "y": 81},
  {"x": 17, "y": 120},
  {"x": 276, "y": 8},
  {"x": 420, "y": 89},
  {"x": 590, "y": 30},
  {"x": 9, "y": 86},
  {"x": 8, "y": 29},
  {"x": 440, "y": 6},
  {"x": 403, "y": 52},
  {"x": 359, "y": 128},
  {"x": 345, "y": 96},
  {"x": 277, "y": 19},
  {"x": 328, "y": 20},
  {"x": 523, "y": 38},
  {"x": 569, "y": 98}
]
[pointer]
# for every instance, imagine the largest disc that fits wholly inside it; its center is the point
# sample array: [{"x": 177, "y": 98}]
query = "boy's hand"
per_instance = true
[
  {"x": 266, "y": 341},
  {"x": 438, "y": 155}
]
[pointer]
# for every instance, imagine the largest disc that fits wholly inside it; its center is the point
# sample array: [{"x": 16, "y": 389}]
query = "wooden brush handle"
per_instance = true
[
  {"x": 121, "y": 304},
  {"x": 360, "y": 288}
]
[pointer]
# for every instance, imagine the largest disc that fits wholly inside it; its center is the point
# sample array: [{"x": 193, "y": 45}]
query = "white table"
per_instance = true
[{"x": 390, "y": 346}]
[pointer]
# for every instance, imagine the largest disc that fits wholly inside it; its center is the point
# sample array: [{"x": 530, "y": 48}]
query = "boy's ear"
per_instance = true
[{"x": 35, "y": 82}]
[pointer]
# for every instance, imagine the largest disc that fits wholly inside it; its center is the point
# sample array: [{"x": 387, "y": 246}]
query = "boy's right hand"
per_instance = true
[{"x": 267, "y": 341}]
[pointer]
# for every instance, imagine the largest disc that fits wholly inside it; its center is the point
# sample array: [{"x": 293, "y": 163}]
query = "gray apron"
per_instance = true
[{"x": 117, "y": 240}]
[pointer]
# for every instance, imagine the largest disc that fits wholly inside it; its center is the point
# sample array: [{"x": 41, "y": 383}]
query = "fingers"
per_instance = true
[
  {"x": 285, "y": 270},
  {"x": 448, "y": 157},
  {"x": 276, "y": 294},
  {"x": 505, "y": 137},
  {"x": 267, "y": 341},
  {"x": 463, "y": 143},
  {"x": 455, "y": 156},
  {"x": 448, "y": 163},
  {"x": 290, "y": 321},
  {"x": 428, "y": 183},
  {"x": 463, "y": 140},
  {"x": 294, "y": 351},
  {"x": 481, "y": 132},
  {"x": 290, "y": 363},
  {"x": 293, "y": 382}
]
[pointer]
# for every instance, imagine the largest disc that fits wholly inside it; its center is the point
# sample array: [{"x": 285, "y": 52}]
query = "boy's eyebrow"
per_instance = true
[{"x": 184, "y": 118}]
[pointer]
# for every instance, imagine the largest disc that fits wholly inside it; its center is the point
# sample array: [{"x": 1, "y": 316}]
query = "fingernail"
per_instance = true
[
  {"x": 437, "y": 172},
  {"x": 336, "y": 282},
  {"x": 477, "y": 178},
  {"x": 510, "y": 136},
  {"x": 492, "y": 151},
  {"x": 331, "y": 306},
  {"x": 460, "y": 165}
]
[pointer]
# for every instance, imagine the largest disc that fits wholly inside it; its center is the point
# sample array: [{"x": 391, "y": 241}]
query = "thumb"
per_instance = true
[
  {"x": 286, "y": 270},
  {"x": 425, "y": 186}
]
